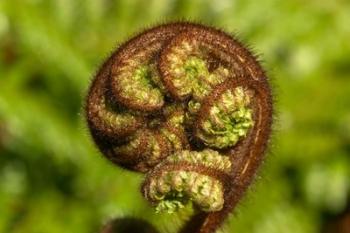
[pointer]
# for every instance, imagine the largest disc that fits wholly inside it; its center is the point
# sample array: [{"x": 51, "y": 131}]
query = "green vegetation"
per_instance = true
[{"x": 52, "y": 178}]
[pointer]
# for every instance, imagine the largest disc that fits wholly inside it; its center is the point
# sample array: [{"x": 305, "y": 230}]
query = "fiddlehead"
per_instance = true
[{"x": 190, "y": 106}]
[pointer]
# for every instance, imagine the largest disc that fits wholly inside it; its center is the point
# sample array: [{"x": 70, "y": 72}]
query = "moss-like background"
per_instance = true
[{"x": 52, "y": 179}]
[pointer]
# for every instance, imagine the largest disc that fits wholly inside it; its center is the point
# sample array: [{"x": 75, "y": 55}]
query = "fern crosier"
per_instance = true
[{"x": 189, "y": 106}]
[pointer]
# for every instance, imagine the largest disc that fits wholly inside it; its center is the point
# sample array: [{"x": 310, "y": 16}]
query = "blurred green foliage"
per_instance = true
[{"x": 52, "y": 179}]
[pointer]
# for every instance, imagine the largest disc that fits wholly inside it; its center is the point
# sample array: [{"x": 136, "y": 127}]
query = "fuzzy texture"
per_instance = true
[
  {"x": 172, "y": 189},
  {"x": 190, "y": 106}
]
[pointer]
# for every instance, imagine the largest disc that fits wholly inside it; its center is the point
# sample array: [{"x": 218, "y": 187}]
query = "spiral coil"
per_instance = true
[{"x": 189, "y": 105}]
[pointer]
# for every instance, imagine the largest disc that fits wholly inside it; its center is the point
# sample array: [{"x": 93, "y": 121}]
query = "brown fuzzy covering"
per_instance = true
[{"x": 154, "y": 45}]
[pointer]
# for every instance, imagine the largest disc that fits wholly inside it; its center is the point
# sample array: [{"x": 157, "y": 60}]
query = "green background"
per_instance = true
[{"x": 52, "y": 178}]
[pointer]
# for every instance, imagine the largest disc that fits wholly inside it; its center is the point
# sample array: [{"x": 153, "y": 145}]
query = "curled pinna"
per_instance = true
[{"x": 191, "y": 107}]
